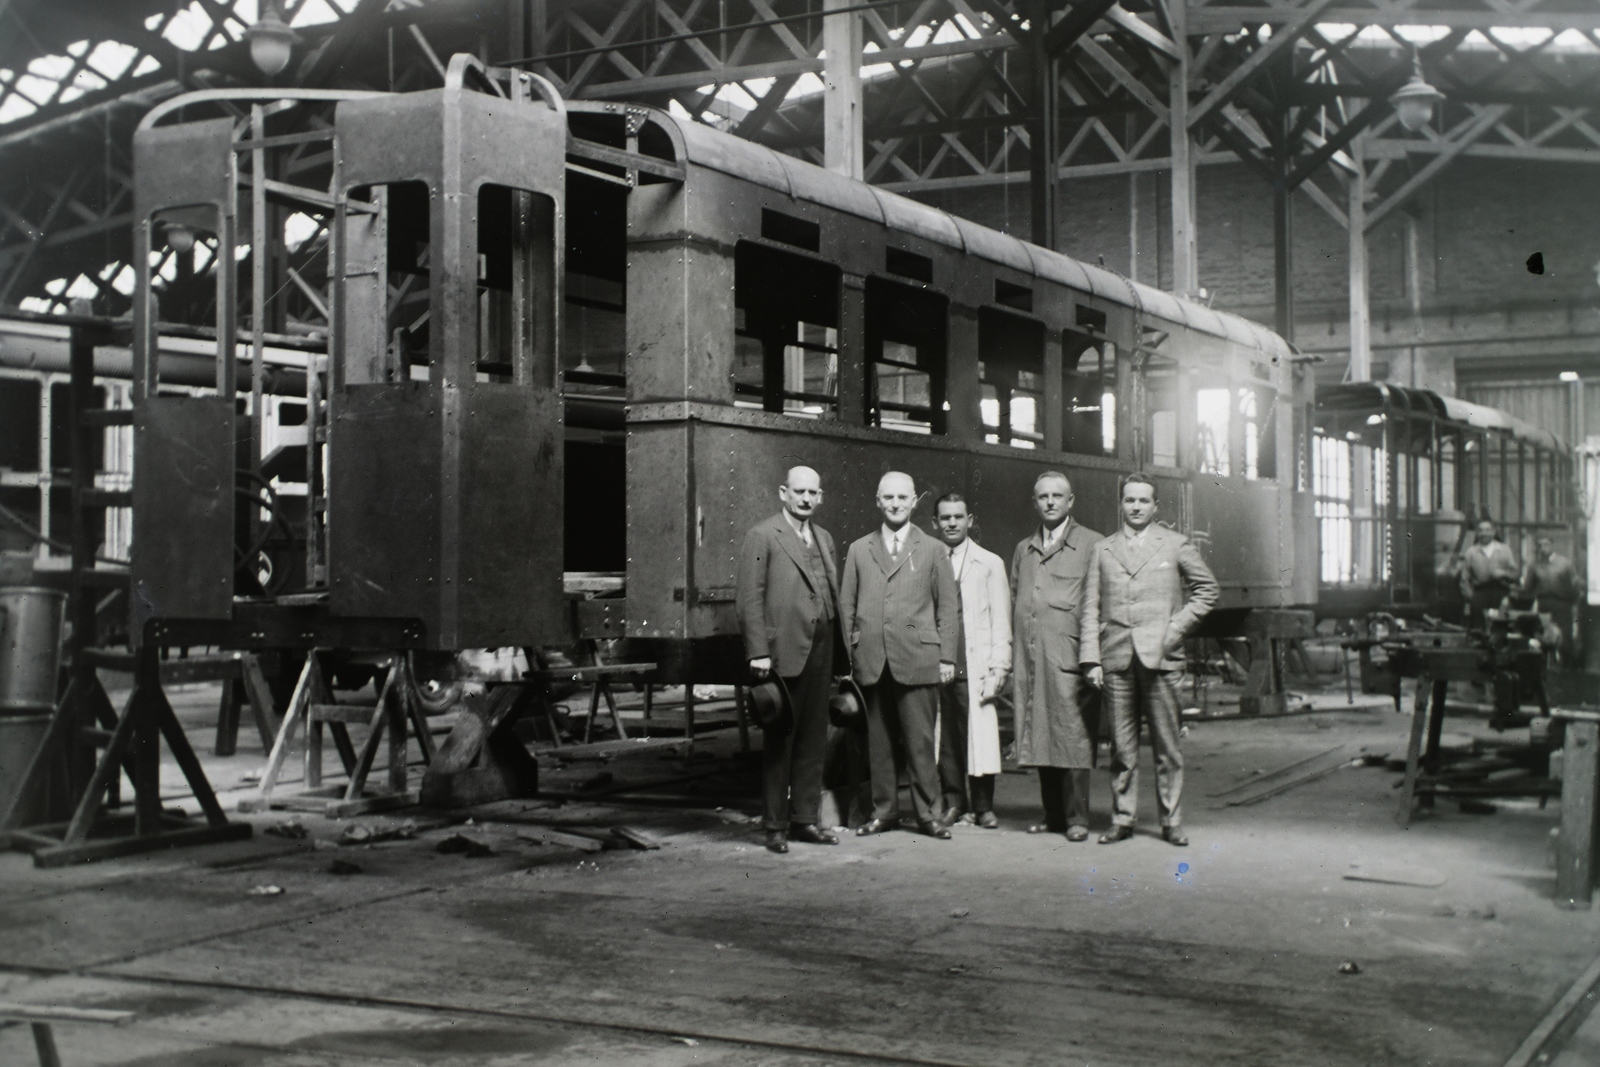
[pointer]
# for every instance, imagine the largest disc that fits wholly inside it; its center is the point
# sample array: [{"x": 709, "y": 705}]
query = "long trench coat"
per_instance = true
[{"x": 1052, "y": 700}]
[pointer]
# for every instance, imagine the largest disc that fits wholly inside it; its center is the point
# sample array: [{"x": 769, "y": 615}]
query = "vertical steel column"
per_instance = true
[
  {"x": 1185, "y": 258},
  {"x": 258, "y": 290},
  {"x": 1044, "y": 132},
  {"x": 841, "y": 100},
  {"x": 1360, "y": 369}
]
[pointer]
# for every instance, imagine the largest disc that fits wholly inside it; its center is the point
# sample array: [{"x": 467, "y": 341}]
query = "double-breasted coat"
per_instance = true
[{"x": 1047, "y": 587}]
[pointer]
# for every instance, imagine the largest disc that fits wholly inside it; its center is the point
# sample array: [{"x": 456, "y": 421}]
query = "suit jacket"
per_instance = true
[
  {"x": 899, "y": 614},
  {"x": 1143, "y": 600},
  {"x": 1054, "y": 709},
  {"x": 778, "y": 602}
]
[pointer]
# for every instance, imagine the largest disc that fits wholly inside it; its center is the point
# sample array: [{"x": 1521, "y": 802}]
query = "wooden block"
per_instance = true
[
  {"x": 636, "y": 838},
  {"x": 1575, "y": 849},
  {"x": 344, "y": 809},
  {"x": 542, "y": 835},
  {"x": 358, "y": 714}
]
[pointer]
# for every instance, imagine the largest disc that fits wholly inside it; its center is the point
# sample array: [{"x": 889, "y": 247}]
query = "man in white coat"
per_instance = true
[{"x": 969, "y": 730}]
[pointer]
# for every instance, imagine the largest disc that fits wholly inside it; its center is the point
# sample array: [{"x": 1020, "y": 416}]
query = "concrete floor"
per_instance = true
[{"x": 995, "y": 948}]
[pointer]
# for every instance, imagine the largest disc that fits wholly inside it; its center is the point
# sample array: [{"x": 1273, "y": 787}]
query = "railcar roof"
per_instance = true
[
  {"x": 1356, "y": 398},
  {"x": 735, "y": 156}
]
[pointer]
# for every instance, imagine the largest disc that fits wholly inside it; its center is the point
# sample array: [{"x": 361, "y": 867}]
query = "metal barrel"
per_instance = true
[
  {"x": 30, "y": 648},
  {"x": 30, "y": 659}
]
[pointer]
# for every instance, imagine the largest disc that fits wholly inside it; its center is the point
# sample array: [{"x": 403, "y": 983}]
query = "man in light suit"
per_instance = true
[
  {"x": 899, "y": 602},
  {"x": 1148, "y": 589},
  {"x": 788, "y": 605},
  {"x": 969, "y": 730},
  {"x": 1055, "y": 727},
  {"x": 1488, "y": 573}
]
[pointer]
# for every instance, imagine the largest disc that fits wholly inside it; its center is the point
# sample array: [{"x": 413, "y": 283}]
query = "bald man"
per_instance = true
[
  {"x": 899, "y": 603},
  {"x": 788, "y": 604}
]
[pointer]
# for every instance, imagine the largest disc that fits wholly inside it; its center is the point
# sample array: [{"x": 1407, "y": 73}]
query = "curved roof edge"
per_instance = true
[
  {"x": 759, "y": 164},
  {"x": 1350, "y": 396}
]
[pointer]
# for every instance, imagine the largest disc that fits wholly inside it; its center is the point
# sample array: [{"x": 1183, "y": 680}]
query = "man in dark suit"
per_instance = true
[
  {"x": 898, "y": 600},
  {"x": 1147, "y": 589},
  {"x": 788, "y": 611}
]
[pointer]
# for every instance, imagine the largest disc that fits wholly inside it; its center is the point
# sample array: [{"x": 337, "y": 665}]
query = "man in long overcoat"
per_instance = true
[
  {"x": 1054, "y": 729},
  {"x": 788, "y": 599}
]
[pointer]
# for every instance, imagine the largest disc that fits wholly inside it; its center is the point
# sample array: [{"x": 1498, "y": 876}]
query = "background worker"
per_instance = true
[
  {"x": 1488, "y": 572},
  {"x": 969, "y": 729},
  {"x": 1552, "y": 581},
  {"x": 1147, "y": 589},
  {"x": 899, "y": 603},
  {"x": 787, "y": 595},
  {"x": 1055, "y": 728}
]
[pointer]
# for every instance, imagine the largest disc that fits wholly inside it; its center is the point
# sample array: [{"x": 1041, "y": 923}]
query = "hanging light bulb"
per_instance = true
[
  {"x": 271, "y": 40},
  {"x": 180, "y": 238},
  {"x": 1414, "y": 101}
]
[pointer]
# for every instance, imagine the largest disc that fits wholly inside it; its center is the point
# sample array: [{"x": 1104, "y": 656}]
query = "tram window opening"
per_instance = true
[
  {"x": 1160, "y": 381},
  {"x": 405, "y": 210},
  {"x": 786, "y": 333},
  {"x": 1011, "y": 295},
  {"x": 20, "y": 410},
  {"x": 594, "y": 297},
  {"x": 908, "y": 264},
  {"x": 776, "y": 226},
  {"x": 516, "y": 261},
  {"x": 1258, "y": 421},
  {"x": 907, "y": 331},
  {"x": 1088, "y": 393},
  {"x": 1011, "y": 377},
  {"x": 1213, "y": 418}
]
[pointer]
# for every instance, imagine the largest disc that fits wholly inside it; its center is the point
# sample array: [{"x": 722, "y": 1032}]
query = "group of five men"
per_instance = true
[{"x": 925, "y": 626}]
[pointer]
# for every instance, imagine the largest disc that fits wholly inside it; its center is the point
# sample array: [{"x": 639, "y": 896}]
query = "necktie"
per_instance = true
[{"x": 894, "y": 547}]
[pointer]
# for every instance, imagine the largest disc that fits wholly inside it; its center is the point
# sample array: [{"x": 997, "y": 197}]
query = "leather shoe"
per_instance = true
[
  {"x": 1078, "y": 833},
  {"x": 936, "y": 829},
  {"x": 1042, "y": 828},
  {"x": 777, "y": 841},
  {"x": 988, "y": 821},
  {"x": 874, "y": 826},
  {"x": 811, "y": 835},
  {"x": 1172, "y": 835},
  {"x": 1115, "y": 834}
]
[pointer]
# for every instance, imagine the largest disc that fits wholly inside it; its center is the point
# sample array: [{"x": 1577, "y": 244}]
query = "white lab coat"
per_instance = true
[{"x": 986, "y": 630}]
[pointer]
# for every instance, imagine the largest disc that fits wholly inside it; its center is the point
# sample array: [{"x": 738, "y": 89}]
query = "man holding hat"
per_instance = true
[
  {"x": 899, "y": 604},
  {"x": 788, "y": 611}
]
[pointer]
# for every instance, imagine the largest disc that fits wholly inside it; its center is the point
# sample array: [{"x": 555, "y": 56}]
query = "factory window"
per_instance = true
[
  {"x": 1089, "y": 387},
  {"x": 1258, "y": 422},
  {"x": 516, "y": 286},
  {"x": 786, "y": 333},
  {"x": 1011, "y": 375},
  {"x": 907, "y": 330},
  {"x": 1212, "y": 417}
]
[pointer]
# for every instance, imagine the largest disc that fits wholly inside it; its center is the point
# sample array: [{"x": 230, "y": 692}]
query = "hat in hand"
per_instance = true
[
  {"x": 848, "y": 708},
  {"x": 769, "y": 705}
]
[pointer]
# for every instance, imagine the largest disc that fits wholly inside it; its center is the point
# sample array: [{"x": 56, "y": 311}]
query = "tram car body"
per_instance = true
[{"x": 574, "y": 347}]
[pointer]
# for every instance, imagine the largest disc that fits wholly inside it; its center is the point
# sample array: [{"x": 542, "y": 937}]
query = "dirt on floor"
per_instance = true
[{"x": 1304, "y": 929}]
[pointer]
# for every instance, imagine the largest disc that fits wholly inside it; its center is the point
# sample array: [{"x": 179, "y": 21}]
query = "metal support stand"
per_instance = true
[{"x": 130, "y": 744}]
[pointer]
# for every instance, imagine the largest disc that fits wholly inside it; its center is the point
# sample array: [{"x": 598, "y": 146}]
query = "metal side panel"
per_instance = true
[
  {"x": 183, "y": 500},
  {"x": 1237, "y": 530},
  {"x": 383, "y": 478},
  {"x": 510, "y": 590},
  {"x": 658, "y": 528}
]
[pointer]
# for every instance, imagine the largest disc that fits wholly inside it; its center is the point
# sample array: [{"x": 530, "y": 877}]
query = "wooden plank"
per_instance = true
[
  {"x": 298, "y": 703},
  {"x": 109, "y": 848},
  {"x": 1284, "y": 38},
  {"x": 344, "y": 809},
  {"x": 358, "y": 714},
  {"x": 163, "y": 716},
  {"x": 1528, "y": 1052},
  {"x": 544, "y": 836},
  {"x": 1419, "y": 721},
  {"x": 1575, "y": 849},
  {"x": 636, "y": 838},
  {"x": 369, "y": 747},
  {"x": 1257, "y": 779},
  {"x": 39, "y": 1013},
  {"x": 1283, "y": 787},
  {"x": 259, "y": 694}
]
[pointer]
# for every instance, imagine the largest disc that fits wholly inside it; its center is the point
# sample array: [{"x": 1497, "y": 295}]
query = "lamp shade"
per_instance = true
[
  {"x": 271, "y": 42},
  {"x": 1414, "y": 101}
]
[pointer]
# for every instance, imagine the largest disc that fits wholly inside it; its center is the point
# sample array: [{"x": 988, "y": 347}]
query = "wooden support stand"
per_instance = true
[
  {"x": 1580, "y": 794},
  {"x": 40, "y": 1016},
  {"x": 128, "y": 744},
  {"x": 314, "y": 705}
]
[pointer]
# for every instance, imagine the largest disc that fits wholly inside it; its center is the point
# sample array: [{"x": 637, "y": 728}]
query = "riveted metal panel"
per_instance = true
[
  {"x": 905, "y": 215},
  {"x": 1239, "y": 529},
  {"x": 830, "y": 190},
  {"x": 660, "y": 494},
  {"x": 183, "y": 500},
  {"x": 392, "y": 139},
  {"x": 383, "y": 502},
  {"x": 734, "y": 155},
  {"x": 995, "y": 246},
  {"x": 680, "y": 322},
  {"x": 190, "y": 163}
]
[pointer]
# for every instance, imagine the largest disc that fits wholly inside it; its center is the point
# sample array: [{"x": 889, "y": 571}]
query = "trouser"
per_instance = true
[
  {"x": 1130, "y": 692},
  {"x": 1064, "y": 791},
  {"x": 900, "y": 731},
  {"x": 982, "y": 786},
  {"x": 1485, "y": 597},
  {"x": 791, "y": 763},
  {"x": 953, "y": 746}
]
